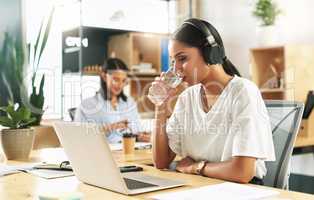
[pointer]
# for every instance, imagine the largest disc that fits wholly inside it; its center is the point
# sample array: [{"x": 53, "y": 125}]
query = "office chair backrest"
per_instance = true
[
  {"x": 285, "y": 118},
  {"x": 72, "y": 113}
]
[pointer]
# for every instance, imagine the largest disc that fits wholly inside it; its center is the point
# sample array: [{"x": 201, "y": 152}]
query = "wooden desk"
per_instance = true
[
  {"x": 27, "y": 187},
  {"x": 48, "y": 142},
  {"x": 304, "y": 142}
]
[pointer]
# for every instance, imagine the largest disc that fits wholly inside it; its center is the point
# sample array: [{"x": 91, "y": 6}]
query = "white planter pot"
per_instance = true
[
  {"x": 267, "y": 35},
  {"x": 17, "y": 143}
]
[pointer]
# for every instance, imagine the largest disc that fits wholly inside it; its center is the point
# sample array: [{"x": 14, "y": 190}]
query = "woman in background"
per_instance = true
[{"x": 110, "y": 106}]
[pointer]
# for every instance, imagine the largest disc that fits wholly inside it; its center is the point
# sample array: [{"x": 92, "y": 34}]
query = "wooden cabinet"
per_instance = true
[
  {"x": 142, "y": 52},
  {"x": 285, "y": 72},
  {"x": 136, "y": 49}
]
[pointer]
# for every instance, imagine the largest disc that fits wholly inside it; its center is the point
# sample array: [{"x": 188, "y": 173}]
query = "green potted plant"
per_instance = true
[
  {"x": 36, "y": 98},
  {"x": 17, "y": 140},
  {"x": 266, "y": 11},
  {"x": 12, "y": 68}
]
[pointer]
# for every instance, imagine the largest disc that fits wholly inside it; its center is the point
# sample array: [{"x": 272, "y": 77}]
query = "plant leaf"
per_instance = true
[
  {"x": 26, "y": 123},
  {"x": 37, "y": 43},
  {"x": 41, "y": 87},
  {"x": 4, "y": 109},
  {"x": 11, "y": 112},
  {"x": 5, "y": 121},
  {"x": 46, "y": 35},
  {"x": 24, "y": 113}
]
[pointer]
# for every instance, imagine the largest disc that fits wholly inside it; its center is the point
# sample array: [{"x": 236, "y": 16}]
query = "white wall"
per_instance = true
[
  {"x": 238, "y": 27},
  {"x": 139, "y": 15}
]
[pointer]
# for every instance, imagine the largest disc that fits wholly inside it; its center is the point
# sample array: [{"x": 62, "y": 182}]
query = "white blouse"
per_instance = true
[
  {"x": 97, "y": 110},
  {"x": 237, "y": 125}
]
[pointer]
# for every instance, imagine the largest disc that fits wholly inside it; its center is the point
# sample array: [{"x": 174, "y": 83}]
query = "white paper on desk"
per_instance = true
[
  {"x": 6, "y": 170},
  {"x": 138, "y": 145},
  {"x": 223, "y": 191},
  {"x": 50, "y": 173},
  {"x": 11, "y": 169}
]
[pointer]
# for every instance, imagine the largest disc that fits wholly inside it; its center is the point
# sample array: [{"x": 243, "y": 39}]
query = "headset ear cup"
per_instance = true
[
  {"x": 216, "y": 55},
  {"x": 206, "y": 54}
]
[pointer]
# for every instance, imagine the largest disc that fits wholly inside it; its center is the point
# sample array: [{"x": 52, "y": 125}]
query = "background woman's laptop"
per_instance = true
[{"x": 92, "y": 162}]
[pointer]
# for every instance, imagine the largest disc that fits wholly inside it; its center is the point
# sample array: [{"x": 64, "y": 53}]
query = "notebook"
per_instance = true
[
  {"x": 52, "y": 170},
  {"x": 12, "y": 169},
  {"x": 50, "y": 173},
  {"x": 223, "y": 191}
]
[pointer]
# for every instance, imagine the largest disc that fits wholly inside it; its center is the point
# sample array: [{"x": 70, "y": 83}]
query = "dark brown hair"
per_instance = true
[
  {"x": 191, "y": 36},
  {"x": 110, "y": 65}
]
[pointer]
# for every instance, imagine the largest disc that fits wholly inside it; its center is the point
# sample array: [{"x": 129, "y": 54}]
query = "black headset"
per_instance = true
[{"x": 213, "y": 53}]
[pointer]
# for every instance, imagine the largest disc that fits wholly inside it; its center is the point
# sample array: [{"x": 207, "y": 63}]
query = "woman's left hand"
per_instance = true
[{"x": 186, "y": 165}]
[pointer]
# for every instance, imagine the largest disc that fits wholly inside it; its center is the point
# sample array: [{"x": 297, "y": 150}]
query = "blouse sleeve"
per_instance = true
[
  {"x": 251, "y": 126},
  {"x": 174, "y": 128},
  {"x": 79, "y": 115}
]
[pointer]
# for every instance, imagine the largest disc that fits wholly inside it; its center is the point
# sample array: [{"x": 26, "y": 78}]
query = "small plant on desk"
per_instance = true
[{"x": 17, "y": 140}]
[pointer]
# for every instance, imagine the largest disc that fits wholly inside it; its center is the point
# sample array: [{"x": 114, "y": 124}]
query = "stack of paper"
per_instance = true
[
  {"x": 5, "y": 170},
  {"x": 223, "y": 191},
  {"x": 29, "y": 168},
  {"x": 10, "y": 169}
]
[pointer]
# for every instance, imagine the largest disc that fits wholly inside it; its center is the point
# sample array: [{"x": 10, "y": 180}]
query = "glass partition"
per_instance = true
[{"x": 85, "y": 33}]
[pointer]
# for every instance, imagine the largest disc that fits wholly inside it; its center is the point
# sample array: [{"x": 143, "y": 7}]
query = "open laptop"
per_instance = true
[{"x": 92, "y": 162}]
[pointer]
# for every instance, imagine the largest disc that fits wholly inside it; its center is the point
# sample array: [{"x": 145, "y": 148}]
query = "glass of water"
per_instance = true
[{"x": 170, "y": 78}]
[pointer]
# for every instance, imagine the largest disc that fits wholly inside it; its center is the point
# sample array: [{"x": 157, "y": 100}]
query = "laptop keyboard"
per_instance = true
[{"x": 134, "y": 184}]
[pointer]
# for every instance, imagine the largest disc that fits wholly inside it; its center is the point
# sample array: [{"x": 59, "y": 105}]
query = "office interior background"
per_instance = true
[{"x": 85, "y": 32}]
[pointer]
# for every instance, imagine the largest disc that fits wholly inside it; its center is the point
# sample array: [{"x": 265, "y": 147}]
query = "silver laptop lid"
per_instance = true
[{"x": 90, "y": 155}]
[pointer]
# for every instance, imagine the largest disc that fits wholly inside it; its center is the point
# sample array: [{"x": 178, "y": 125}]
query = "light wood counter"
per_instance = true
[
  {"x": 304, "y": 141},
  {"x": 24, "y": 186},
  {"x": 48, "y": 142}
]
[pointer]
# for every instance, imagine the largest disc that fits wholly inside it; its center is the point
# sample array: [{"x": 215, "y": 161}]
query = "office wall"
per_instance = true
[
  {"x": 8, "y": 21},
  {"x": 139, "y": 15},
  {"x": 238, "y": 27}
]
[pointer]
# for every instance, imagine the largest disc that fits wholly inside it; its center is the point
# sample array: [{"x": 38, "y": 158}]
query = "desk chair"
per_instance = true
[
  {"x": 285, "y": 119},
  {"x": 72, "y": 113}
]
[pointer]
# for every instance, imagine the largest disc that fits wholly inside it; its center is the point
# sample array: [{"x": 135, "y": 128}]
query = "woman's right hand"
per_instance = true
[{"x": 160, "y": 93}]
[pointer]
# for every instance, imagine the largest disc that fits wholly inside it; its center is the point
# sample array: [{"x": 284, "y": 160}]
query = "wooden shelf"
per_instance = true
[
  {"x": 272, "y": 90},
  {"x": 90, "y": 73},
  {"x": 269, "y": 48},
  {"x": 141, "y": 74},
  {"x": 135, "y": 49},
  {"x": 293, "y": 66},
  {"x": 304, "y": 142},
  {"x": 291, "y": 63}
]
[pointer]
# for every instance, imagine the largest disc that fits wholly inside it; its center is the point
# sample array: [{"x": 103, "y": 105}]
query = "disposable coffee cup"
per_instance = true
[{"x": 128, "y": 141}]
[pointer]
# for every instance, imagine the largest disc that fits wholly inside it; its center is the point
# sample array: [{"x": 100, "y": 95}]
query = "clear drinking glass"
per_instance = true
[{"x": 158, "y": 95}]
